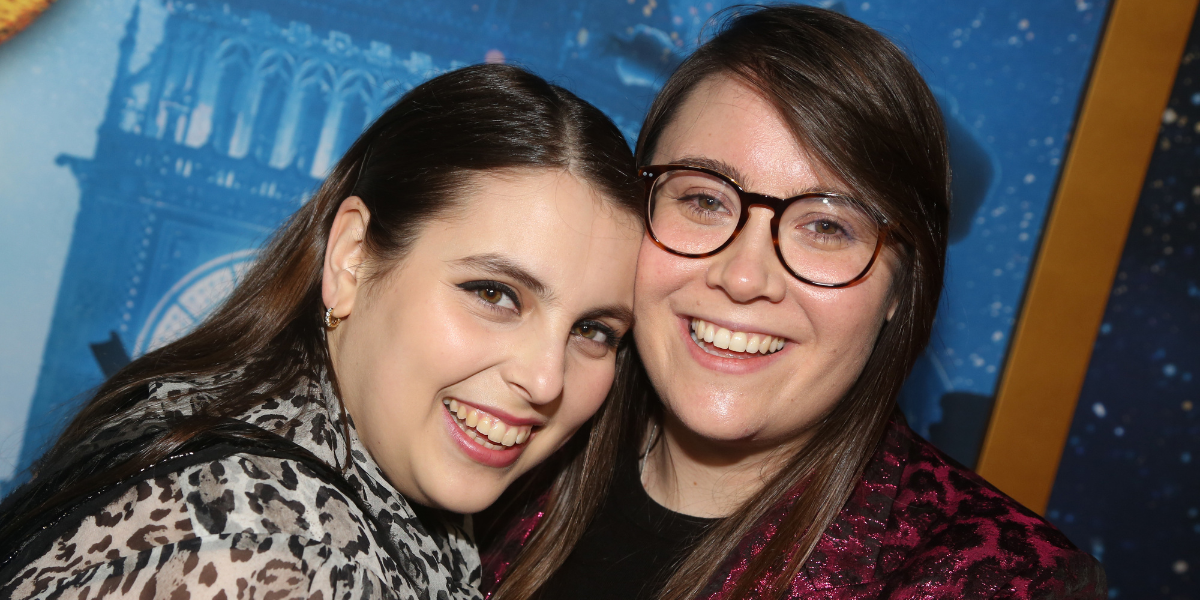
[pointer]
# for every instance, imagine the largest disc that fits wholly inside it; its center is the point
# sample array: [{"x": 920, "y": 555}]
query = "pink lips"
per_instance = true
[
  {"x": 721, "y": 364},
  {"x": 503, "y": 416},
  {"x": 500, "y": 457}
]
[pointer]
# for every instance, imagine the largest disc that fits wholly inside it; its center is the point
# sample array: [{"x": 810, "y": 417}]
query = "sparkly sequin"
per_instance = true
[{"x": 918, "y": 525}]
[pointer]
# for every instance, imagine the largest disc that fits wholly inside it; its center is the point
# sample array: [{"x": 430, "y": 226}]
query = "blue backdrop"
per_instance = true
[
  {"x": 176, "y": 135},
  {"x": 1127, "y": 487}
]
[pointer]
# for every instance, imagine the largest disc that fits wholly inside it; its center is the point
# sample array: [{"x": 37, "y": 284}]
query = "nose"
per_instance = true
[
  {"x": 748, "y": 268},
  {"x": 537, "y": 366}
]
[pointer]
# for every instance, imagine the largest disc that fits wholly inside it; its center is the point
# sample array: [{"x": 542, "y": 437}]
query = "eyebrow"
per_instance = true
[
  {"x": 502, "y": 265},
  {"x": 719, "y": 166},
  {"x": 732, "y": 172},
  {"x": 612, "y": 311}
]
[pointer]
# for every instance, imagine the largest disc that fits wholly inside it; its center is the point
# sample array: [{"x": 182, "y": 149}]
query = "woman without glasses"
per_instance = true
[
  {"x": 797, "y": 188},
  {"x": 440, "y": 317}
]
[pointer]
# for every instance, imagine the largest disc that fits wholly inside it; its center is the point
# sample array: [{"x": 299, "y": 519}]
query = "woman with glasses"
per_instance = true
[
  {"x": 440, "y": 317},
  {"x": 796, "y": 182}
]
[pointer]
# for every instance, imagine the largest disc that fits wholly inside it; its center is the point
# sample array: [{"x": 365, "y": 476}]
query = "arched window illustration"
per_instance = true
[
  {"x": 178, "y": 97},
  {"x": 357, "y": 110},
  {"x": 229, "y": 104},
  {"x": 272, "y": 85},
  {"x": 192, "y": 298},
  {"x": 392, "y": 89},
  {"x": 304, "y": 118}
]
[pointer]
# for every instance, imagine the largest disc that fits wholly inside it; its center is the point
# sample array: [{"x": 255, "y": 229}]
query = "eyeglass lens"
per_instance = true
[{"x": 826, "y": 240}]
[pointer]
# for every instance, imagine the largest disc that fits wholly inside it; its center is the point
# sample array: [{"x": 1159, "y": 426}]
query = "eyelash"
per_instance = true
[
  {"x": 476, "y": 287},
  {"x": 611, "y": 339}
]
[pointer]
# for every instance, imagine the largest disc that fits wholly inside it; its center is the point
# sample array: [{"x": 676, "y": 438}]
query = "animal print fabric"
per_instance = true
[
  {"x": 918, "y": 525},
  {"x": 250, "y": 527}
]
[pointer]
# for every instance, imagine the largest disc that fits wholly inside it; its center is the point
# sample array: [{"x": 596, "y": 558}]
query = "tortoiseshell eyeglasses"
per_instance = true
[{"x": 823, "y": 239}]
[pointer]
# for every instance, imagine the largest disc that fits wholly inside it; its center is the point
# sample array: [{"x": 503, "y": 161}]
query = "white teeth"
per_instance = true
[
  {"x": 735, "y": 341},
  {"x": 487, "y": 430},
  {"x": 497, "y": 432},
  {"x": 721, "y": 338}
]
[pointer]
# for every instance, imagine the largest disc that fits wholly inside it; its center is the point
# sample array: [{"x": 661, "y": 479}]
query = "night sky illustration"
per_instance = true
[{"x": 1128, "y": 489}]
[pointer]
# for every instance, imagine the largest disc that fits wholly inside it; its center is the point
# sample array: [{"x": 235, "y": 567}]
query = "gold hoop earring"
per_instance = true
[{"x": 331, "y": 322}]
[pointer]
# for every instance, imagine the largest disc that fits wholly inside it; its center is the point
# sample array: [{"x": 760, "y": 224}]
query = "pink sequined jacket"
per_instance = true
[{"x": 918, "y": 525}]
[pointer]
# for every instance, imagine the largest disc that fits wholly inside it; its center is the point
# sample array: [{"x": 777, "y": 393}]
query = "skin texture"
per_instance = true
[
  {"x": 425, "y": 331},
  {"x": 727, "y": 419}
]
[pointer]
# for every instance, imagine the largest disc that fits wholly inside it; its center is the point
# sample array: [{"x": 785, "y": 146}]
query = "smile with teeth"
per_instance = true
[
  {"x": 704, "y": 333},
  {"x": 485, "y": 429}
]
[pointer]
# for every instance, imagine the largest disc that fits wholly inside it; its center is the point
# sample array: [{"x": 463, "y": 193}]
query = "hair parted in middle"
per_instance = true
[{"x": 860, "y": 109}]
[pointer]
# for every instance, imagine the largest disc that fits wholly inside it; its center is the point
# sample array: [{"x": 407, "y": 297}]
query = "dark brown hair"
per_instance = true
[
  {"x": 410, "y": 167},
  {"x": 861, "y": 109}
]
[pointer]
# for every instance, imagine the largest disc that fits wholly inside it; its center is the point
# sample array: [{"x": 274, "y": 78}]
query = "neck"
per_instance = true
[{"x": 696, "y": 476}]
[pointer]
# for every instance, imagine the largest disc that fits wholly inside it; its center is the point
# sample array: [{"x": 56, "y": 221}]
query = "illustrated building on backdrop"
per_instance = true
[
  {"x": 230, "y": 123},
  {"x": 224, "y": 128}
]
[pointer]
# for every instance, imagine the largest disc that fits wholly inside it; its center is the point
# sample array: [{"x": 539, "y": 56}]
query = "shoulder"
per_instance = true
[
  {"x": 240, "y": 517},
  {"x": 249, "y": 492},
  {"x": 951, "y": 527}
]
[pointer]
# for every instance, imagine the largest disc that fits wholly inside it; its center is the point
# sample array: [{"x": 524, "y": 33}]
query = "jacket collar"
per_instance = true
[{"x": 848, "y": 553}]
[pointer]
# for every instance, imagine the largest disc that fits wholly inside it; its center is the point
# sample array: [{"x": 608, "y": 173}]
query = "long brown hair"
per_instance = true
[
  {"x": 411, "y": 166},
  {"x": 861, "y": 109}
]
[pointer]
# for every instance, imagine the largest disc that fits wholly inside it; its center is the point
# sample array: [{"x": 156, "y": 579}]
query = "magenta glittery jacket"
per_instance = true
[{"x": 918, "y": 525}]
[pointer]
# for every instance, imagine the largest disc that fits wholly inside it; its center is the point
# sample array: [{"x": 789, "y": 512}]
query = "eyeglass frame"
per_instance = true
[{"x": 651, "y": 173}]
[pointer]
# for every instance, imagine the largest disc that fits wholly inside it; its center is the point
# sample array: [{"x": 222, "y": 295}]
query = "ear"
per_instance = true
[
  {"x": 891, "y": 310},
  {"x": 341, "y": 275}
]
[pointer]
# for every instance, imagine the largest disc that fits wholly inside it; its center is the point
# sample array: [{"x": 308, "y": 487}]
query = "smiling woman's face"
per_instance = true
[
  {"x": 491, "y": 342},
  {"x": 750, "y": 401}
]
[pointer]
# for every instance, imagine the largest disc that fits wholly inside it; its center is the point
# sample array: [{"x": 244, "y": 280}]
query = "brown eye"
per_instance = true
[
  {"x": 591, "y": 332},
  {"x": 494, "y": 294},
  {"x": 491, "y": 295},
  {"x": 826, "y": 227},
  {"x": 710, "y": 203}
]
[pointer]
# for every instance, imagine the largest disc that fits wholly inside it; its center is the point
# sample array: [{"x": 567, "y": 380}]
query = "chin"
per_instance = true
[
  {"x": 464, "y": 500},
  {"x": 715, "y": 425},
  {"x": 453, "y": 488},
  {"x": 468, "y": 507}
]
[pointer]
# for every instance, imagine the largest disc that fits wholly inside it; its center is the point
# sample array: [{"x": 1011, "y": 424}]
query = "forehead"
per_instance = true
[
  {"x": 725, "y": 122},
  {"x": 553, "y": 224}
]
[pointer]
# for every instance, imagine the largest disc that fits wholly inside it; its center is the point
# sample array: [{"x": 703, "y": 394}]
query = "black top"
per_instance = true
[{"x": 629, "y": 549}]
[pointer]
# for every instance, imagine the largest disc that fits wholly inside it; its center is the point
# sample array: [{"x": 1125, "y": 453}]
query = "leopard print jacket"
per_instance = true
[{"x": 254, "y": 527}]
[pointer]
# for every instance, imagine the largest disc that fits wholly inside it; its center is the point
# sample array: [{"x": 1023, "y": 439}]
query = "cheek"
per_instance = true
[
  {"x": 654, "y": 266},
  {"x": 435, "y": 348},
  {"x": 648, "y": 270},
  {"x": 451, "y": 338},
  {"x": 659, "y": 273},
  {"x": 588, "y": 387},
  {"x": 847, "y": 321}
]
